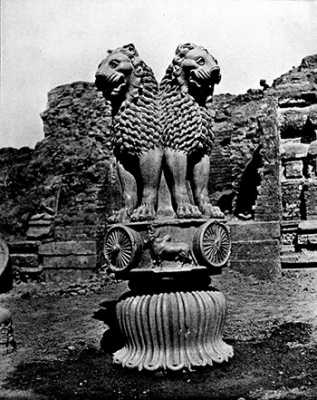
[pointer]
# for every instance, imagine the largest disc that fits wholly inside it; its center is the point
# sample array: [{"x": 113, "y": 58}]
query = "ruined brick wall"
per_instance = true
[
  {"x": 242, "y": 123},
  {"x": 70, "y": 170},
  {"x": 77, "y": 138},
  {"x": 245, "y": 154},
  {"x": 297, "y": 116},
  {"x": 15, "y": 207}
]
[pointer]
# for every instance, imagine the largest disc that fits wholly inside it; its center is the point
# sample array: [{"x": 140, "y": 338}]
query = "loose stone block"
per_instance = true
[
  {"x": 294, "y": 169},
  {"x": 254, "y": 250},
  {"x": 24, "y": 261},
  {"x": 24, "y": 246},
  {"x": 291, "y": 199},
  {"x": 74, "y": 232},
  {"x": 260, "y": 258},
  {"x": 293, "y": 150},
  {"x": 70, "y": 262},
  {"x": 311, "y": 199},
  {"x": 251, "y": 230},
  {"x": 38, "y": 231},
  {"x": 7, "y": 342},
  {"x": 68, "y": 248},
  {"x": 67, "y": 275},
  {"x": 308, "y": 226}
]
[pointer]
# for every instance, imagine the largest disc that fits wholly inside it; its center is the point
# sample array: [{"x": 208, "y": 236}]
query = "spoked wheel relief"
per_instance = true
[
  {"x": 212, "y": 244},
  {"x": 122, "y": 247}
]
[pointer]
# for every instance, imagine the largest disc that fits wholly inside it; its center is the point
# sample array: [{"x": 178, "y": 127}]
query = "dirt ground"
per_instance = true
[{"x": 272, "y": 326}]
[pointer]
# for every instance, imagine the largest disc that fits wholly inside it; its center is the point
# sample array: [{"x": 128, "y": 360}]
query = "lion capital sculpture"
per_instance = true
[
  {"x": 185, "y": 89},
  {"x": 130, "y": 85},
  {"x": 166, "y": 128}
]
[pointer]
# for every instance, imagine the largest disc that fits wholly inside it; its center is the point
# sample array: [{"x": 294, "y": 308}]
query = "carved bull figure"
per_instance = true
[{"x": 164, "y": 249}]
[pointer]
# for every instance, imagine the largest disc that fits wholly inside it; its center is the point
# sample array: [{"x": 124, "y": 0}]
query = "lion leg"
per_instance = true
[
  {"x": 150, "y": 169},
  {"x": 199, "y": 182},
  {"x": 176, "y": 162},
  {"x": 129, "y": 191}
]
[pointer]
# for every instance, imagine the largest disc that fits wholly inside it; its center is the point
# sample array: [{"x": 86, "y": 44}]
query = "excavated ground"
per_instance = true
[{"x": 272, "y": 326}]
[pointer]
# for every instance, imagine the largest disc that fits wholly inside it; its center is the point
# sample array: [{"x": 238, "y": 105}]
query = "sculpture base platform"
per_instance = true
[{"x": 172, "y": 330}]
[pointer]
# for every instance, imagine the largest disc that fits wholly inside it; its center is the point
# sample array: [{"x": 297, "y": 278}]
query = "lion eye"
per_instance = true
[
  {"x": 114, "y": 63},
  {"x": 200, "y": 61}
]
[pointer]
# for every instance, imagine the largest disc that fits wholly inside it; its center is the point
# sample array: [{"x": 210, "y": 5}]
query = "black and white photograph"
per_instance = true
[{"x": 158, "y": 200}]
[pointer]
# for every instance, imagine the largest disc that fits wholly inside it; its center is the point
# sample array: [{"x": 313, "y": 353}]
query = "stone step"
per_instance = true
[
  {"x": 68, "y": 255},
  {"x": 255, "y": 249},
  {"x": 299, "y": 265},
  {"x": 70, "y": 262},
  {"x": 307, "y": 239},
  {"x": 24, "y": 246},
  {"x": 307, "y": 227},
  {"x": 252, "y": 230},
  {"x": 28, "y": 260},
  {"x": 40, "y": 222},
  {"x": 305, "y": 259},
  {"x": 65, "y": 248},
  {"x": 38, "y": 231}
]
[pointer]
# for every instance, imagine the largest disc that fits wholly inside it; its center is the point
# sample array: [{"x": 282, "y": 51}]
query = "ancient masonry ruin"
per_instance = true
[{"x": 55, "y": 197}]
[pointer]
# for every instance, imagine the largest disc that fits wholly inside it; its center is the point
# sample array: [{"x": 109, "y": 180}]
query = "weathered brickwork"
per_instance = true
[{"x": 310, "y": 199}]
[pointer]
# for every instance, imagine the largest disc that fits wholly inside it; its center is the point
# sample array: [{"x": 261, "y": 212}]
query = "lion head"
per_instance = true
[
  {"x": 130, "y": 85},
  {"x": 185, "y": 89},
  {"x": 118, "y": 72},
  {"x": 195, "y": 70}
]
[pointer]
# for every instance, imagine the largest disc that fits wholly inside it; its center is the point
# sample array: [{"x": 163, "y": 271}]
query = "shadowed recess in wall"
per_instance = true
[{"x": 249, "y": 183}]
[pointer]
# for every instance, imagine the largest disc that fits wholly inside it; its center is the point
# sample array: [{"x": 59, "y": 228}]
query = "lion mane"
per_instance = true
[
  {"x": 135, "y": 124},
  {"x": 186, "y": 124}
]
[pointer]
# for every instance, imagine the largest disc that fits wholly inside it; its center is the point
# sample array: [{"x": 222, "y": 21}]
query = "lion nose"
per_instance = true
[
  {"x": 100, "y": 81},
  {"x": 215, "y": 74}
]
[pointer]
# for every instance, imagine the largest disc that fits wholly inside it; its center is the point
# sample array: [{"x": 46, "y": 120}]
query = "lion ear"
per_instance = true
[
  {"x": 138, "y": 66},
  {"x": 178, "y": 49},
  {"x": 130, "y": 46},
  {"x": 131, "y": 49},
  {"x": 176, "y": 70},
  {"x": 183, "y": 48}
]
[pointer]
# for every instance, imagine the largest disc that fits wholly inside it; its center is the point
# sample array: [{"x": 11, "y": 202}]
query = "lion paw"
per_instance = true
[
  {"x": 143, "y": 213},
  {"x": 212, "y": 211},
  {"x": 121, "y": 215},
  {"x": 187, "y": 210}
]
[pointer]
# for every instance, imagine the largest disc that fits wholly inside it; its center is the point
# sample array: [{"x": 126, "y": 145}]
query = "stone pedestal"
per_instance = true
[
  {"x": 175, "y": 330},
  {"x": 171, "y": 319}
]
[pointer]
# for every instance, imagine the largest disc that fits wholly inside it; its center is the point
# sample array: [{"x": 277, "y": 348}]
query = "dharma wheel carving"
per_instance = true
[
  {"x": 122, "y": 247},
  {"x": 212, "y": 244}
]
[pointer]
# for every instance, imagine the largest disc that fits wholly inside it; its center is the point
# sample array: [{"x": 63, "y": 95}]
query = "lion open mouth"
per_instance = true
[
  {"x": 202, "y": 77},
  {"x": 110, "y": 85}
]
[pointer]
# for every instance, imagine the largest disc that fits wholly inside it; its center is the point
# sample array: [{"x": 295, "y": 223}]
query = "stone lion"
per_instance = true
[
  {"x": 185, "y": 89},
  {"x": 130, "y": 85}
]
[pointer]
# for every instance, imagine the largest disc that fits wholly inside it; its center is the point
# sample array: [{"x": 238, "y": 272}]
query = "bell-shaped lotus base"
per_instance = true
[{"x": 172, "y": 330}]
